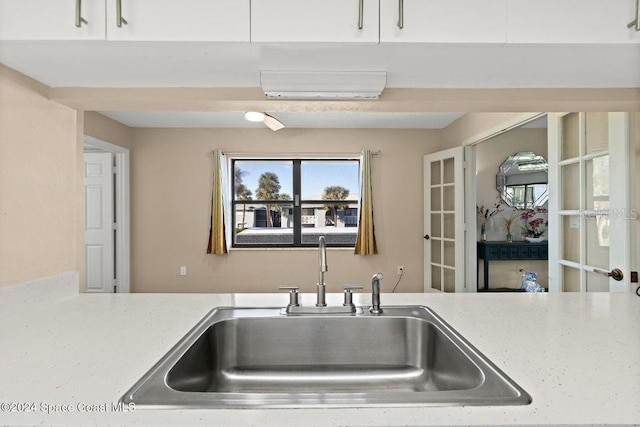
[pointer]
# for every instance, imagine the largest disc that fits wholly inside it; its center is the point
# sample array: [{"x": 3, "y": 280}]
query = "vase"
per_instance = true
[
  {"x": 483, "y": 232},
  {"x": 535, "y": 239},
  {"x": 509, "y": 238}
]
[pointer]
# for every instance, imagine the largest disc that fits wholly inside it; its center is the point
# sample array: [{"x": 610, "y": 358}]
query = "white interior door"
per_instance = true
[
  {"x": 99, "y": 220},
  {"x": 589, "y": 209},
  {"x": 444, "y": 267}
]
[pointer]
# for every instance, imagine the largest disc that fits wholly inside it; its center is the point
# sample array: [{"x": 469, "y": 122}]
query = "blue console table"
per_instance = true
[{"x": 503, "y": 251}]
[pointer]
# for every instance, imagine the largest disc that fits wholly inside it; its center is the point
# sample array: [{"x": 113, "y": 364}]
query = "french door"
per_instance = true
[
  {"x": 589, "y": 208},
  {"x": 444, "y": 221}
]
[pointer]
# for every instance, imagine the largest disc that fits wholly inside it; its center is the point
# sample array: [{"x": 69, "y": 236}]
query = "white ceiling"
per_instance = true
[
  {"x": 184, "y": 64},
  {"x": 162, "y": 64},
  {"x": 198, "y": 119}
]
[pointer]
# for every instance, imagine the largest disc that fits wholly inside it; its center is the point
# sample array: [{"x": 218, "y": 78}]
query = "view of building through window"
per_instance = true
[{"x": 294, "y": 202}]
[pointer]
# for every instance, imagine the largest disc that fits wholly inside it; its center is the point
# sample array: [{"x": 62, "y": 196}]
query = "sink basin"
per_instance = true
[{"x": 256, "y": 357}]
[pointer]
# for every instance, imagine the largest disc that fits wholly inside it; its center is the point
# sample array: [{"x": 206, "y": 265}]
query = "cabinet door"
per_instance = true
[
  {"x": 184, "y": 20},
  {"x": 315, "y": 21},
  {"x": 443, "y": 21},
  {"x": 571, "y": 21},
  {"x": 51, "y": 20}
]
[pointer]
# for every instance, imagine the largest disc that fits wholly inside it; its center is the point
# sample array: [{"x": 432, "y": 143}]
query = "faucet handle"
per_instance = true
[
  {"x": 348, "y": 294},
  {"x": 293, "y": 294}
]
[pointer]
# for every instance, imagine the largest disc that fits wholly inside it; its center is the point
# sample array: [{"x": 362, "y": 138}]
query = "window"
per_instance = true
[{"x": 291, "y": 203}]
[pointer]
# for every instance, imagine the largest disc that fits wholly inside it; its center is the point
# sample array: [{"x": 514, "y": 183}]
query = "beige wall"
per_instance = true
[
  {"x": 474, "y": 127},
  {"x": 171, "y": 195},
  {"x": 107, "y": 130},
  {"x": 489, "y": 156},
  {"x": 41, "y": 202},
  {"x": 39, "y": 211}
]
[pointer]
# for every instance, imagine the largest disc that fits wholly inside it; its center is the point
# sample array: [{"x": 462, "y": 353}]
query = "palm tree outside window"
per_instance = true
[{"x": 290, "y": 203}]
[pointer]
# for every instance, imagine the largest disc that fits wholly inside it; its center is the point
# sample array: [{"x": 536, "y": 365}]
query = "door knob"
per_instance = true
[
  {"x": 616, "y": 274},
  {"x": 427, "y": 237}
]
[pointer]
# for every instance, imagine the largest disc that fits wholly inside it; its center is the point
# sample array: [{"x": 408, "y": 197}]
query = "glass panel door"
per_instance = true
[
  {"x": 590, "y": 210},
  {"x": 444, "y": 221}
]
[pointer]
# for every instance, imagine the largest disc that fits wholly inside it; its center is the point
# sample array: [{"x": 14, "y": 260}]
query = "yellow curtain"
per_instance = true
[
  {"x": 217, "y": 238},
  {"x": 366, "y": 241}
]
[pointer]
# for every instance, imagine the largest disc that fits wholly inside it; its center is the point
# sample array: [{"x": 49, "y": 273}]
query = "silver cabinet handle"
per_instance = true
[
  {"x": 400, "y": 14},
  {"x": 360, "y": 14},
  {"x": 119, "y": 19},
  {"x": 79, "y": 19},
  {"x": 636, "y": 21}
]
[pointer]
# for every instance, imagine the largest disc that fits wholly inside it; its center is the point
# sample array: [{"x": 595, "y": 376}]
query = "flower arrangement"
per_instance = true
[
  {"x": 535, "y": 222},
  {"x": 486, "y": 214},
  {"x": 509, "y": 221}
]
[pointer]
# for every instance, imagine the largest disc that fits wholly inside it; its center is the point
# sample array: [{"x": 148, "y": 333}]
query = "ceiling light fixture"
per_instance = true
[
  {"x": 270, "y": 121},
  {"x": 254, "y": 116}
]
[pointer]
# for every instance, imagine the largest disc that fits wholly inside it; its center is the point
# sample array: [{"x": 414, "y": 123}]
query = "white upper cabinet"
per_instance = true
[
  {"x": 439, "y": 21},
  {"x": 572, "y": 21},
  {"x": 354, "y": 21},
  {"x": 52, "y": 20},
  {"x": 178, "y": 20}
]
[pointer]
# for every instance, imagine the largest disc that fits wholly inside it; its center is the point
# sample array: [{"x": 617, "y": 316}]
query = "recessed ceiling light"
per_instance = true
[{"x": 254, "y": 116}]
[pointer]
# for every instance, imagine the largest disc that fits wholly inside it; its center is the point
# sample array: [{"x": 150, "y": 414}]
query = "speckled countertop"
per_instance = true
[{"x": 578, "y": 355}]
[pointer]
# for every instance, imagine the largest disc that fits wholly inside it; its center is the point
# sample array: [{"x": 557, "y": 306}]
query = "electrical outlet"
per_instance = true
[
  {"x": 183, "y": 271},
  {"x": 400, "y": 270}
]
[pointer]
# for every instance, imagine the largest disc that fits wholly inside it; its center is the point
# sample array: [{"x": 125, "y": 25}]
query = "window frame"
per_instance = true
[{"x": 296, "y": 202}]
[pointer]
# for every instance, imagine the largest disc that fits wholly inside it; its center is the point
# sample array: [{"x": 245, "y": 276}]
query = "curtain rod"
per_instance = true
[{"x": 297, "y": 154}]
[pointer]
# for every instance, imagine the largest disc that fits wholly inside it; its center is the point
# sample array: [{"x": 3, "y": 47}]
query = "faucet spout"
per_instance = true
[
  {"x": 375, "y": 293},
  {"x": 322, "y": 268}
]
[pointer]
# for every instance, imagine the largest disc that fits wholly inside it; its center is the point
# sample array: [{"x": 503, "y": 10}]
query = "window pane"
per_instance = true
[
  {"x": 265, "y": 213},
  {"x": 253, "y": 226},
  {"x": 336, "y": 183},
  {"x": 263, "y": 180},
  {"x": 333, "y": 236},
  {"x": 597, "y": 132},
  {"x": 329, "y": 179},
  {"x": 339, "y": 226},
  {"x": 570, "y": 136},
  {"x": 570, "y": 279}
]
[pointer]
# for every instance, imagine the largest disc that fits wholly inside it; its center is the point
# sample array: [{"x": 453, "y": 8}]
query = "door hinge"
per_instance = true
[
  {"x": 114, "y": 169},
  {"x": 115, "y": 286},
  {"x": 114, "y": 226}
]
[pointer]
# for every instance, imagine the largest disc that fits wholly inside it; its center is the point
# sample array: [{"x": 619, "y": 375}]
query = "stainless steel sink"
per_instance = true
[{"x": 254, "y": 357}]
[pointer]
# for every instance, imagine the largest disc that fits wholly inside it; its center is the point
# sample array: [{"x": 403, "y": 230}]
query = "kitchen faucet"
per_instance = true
[
  {"x": 375, "y": 293},
  {"x": 294, "y": 306},
  {"x": 322, "y": 268}
]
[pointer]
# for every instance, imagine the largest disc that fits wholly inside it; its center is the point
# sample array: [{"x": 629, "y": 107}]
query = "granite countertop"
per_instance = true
[{"x": 76, "y": 354}]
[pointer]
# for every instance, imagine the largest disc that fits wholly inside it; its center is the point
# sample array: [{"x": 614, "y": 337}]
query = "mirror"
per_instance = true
[{"x": 522, "y": 181}]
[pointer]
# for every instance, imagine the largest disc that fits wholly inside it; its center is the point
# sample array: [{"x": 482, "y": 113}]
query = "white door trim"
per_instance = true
[
  {"x": 555, "y": 194},
  {"x": 620, "y": 158},
  {"x": 471, "y": 226},
  {"x": 123, "y": 216}
]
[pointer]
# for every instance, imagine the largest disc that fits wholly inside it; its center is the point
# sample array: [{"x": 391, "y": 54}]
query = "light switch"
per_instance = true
[{"x": 183, "y": 271}]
